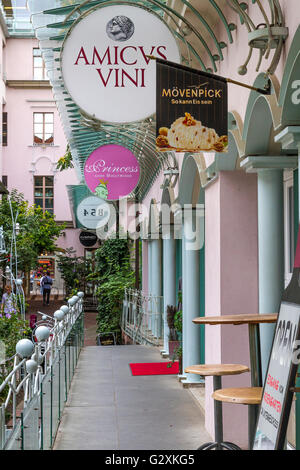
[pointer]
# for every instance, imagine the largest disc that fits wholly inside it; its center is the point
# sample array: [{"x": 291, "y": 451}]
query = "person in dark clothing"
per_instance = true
[{"x": 46, "y": 286}]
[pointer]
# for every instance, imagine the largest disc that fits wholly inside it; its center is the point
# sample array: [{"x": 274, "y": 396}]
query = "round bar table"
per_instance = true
[{"x": 253, "y": 321}]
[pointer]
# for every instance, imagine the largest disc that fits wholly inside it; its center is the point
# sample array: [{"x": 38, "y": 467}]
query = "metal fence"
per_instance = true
[
  {"x": 142, "y": 317},
  {"x": 36, "y": 399}
]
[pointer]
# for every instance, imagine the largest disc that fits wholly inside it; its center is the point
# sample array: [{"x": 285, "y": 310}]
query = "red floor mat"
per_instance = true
[{"x": 154, "y": 368}]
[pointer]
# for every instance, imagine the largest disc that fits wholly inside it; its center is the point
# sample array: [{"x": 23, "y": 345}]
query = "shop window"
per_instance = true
[
  {"x": 44, "y": 265},
  {"x": 43, "y": 128},
  {"x": 4, "y": 129},
  {"x": 289, "y": 242},
  {"x": 39, "y": 71},
  {"x": 44, "y": 193}
]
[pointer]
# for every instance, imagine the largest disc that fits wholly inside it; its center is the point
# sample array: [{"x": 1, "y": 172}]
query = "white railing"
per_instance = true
[
  {"x": 38, "y": 384},
  {"x": 142, "y": 317}
]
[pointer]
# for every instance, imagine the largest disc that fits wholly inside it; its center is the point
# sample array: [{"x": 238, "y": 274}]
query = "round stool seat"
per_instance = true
[
  {"x": 243, "y": 395},
  {"x": 216, "y": 369}
]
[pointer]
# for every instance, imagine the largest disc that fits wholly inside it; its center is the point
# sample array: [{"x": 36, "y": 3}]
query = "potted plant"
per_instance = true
[
  {"x": 174, "y": 342},
  {"x": 178, "y": 328}
]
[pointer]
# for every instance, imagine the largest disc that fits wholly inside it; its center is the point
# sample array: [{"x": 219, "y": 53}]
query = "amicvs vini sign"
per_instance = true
[{"x": 105, "y": 66}]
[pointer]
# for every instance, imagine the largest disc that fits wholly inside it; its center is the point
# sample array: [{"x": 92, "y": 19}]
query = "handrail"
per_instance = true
[
  {"x": 34, "y": 360},
  {"x": 142, "y": 317}
]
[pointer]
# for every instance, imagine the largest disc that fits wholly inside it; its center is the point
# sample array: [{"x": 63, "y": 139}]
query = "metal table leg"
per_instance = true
[
  {"x": 255, "y": 355},
  {"x": 219, "y": 444}
]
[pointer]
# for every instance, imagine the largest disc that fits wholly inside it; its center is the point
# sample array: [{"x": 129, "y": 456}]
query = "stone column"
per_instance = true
[
  {"x": 193, "y": 238},
  {"x": 270, "y": 252},
  {"x": 156, "y": 286},
  {"x": 169, "y": 282},
  {"x": 270, "y": 239}
]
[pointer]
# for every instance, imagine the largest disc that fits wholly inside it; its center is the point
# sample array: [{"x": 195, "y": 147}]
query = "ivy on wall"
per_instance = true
[{"x": 113, "y": 273}]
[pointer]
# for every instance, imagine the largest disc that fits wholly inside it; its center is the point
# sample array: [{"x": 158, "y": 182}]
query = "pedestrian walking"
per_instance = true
[
  {"x": 46, "y": 284},
  {"x": 40, "y": 284},
  {"x": 8, "y": 303}
]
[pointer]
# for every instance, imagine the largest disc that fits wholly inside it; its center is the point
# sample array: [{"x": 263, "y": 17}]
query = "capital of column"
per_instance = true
[
  {"x": 254, "y": 164},
  {"x": 289, "y": 138}
]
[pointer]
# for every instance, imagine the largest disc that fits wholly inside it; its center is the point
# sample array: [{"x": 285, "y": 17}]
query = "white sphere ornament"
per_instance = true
[
  {"x": 24, "y": 347},
  {"x": 37, "y": 358},
  {"x": 80, "y": 294},
  {"x": 72, "y": 301},
  {"x": 19, "y": 282},
  {"x": 44, "y": 317},
  {"x": 42, "y": 333},
  {"x": 31, "y": 366},
  {"x": 76, "y": 298},
  {"x": 64, "y": 308},
  {"x": 59, "y": 315}
]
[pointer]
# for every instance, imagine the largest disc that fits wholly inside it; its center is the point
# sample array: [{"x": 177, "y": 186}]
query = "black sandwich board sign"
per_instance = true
[{"x": 284, "y": 359}]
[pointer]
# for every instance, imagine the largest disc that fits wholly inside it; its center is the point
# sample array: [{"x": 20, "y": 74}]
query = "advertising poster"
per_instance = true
[
  {"x": 191, "y": 110},
  {"x": 112, "y": 172},
  {"x": 277, "y": 395}
]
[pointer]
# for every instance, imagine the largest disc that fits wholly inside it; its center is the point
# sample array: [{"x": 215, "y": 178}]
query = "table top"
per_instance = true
[
  {"x": 216, "y": 369},
  {"x": 243, "y": 396},
  {"x": 236, "y": 319}
]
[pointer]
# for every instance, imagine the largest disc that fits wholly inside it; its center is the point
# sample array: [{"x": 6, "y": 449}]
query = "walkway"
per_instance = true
[{"x": 109, "y": 409}]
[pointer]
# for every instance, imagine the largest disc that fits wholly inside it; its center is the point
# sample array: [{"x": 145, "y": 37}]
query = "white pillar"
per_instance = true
[
  {"x": 271, "y": 252},
  {"x": 191, "y": 292},
  {"x": 156, "y": 286},
  {"x": 169, "y": 283}
]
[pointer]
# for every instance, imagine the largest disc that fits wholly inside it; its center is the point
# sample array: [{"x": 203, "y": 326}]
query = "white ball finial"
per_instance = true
[
  {"x": 42, "y": 333},
  {"x": 24, "y": 347},
  {"x": 31, "y": 366},
  {"x": 59, "y": 315},
  {"x": 64, "y": 308}
]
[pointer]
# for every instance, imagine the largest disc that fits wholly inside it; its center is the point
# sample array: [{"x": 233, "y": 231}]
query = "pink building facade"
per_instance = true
[
  {"x": 26, "y": 162},
  {"x": 247, "y": 199}
]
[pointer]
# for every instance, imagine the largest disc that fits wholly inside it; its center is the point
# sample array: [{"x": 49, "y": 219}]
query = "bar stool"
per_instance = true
[
  {"x": 250, "y": 396},
  {"x": 217, "y": 371}
]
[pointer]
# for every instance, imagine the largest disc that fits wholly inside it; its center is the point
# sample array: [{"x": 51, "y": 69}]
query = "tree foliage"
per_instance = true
[
  {"x": 66, "y": 161},
  {"x": 38, "y": 231},
  {"x": 74, "y": 270}
]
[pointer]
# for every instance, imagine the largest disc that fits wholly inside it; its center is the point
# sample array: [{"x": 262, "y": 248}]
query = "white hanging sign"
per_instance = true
[
  {"x": 93, "y": 212},
  {"x": 104, "y": 61}
]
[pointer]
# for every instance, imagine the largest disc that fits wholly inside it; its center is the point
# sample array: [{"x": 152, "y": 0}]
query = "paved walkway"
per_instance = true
[{"x": 109, "y": 409}]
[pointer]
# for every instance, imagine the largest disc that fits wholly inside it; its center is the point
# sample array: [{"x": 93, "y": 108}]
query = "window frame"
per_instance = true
[
  {"x": 34, "y": 67},
  {"x": 43, "y": 123},
  {"x": 44, "y": 188},
  {"x": 4, "y": 128}
]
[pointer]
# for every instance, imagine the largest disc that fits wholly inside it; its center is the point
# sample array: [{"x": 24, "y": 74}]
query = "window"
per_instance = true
[
  {"x": 39, "y": 71},
  {"x": 4, "y": 129},
  {"x": 43, "y": 192},
  {"x": 4, "y": 180},
  {"x": 43, "y": 127}
]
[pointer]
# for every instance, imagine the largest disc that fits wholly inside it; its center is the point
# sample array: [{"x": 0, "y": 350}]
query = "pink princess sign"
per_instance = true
[{"x": 111, "y": 172}]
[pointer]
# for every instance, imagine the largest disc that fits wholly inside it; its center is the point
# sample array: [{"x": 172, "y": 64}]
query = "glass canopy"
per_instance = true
[{"x": 17, "y": 17}]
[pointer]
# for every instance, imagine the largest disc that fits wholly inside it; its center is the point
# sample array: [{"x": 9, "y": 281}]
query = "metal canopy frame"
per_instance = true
[{"x": 194, "y": 25}]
